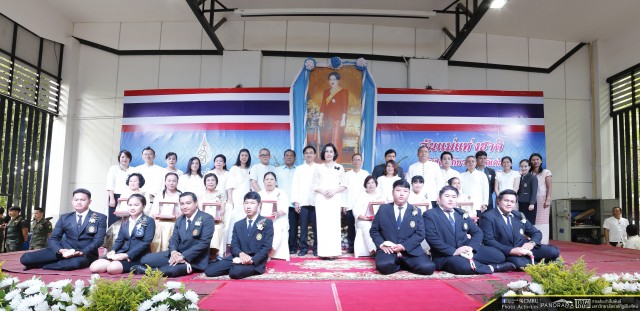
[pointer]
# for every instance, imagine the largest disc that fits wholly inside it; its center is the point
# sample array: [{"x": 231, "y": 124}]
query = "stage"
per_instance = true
[{"x": 308, "y": 283}]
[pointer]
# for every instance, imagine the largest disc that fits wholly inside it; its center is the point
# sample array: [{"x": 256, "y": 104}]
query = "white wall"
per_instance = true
[{"x": 103, "y": 78}]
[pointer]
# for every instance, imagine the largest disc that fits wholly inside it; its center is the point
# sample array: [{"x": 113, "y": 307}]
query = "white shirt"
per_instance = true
[
  {"x": 153, "y": 177},
  {"x": 385, "y": 187},
  {"x": 633, "y": 242},
  {"x": 284, "y": 175},
  {"x": 397, "y": 211},
  {"x": 505, "y": 181},
  {"x": 117, "y": 178},
  {"x": 476, "y": 185},
  {"x": 83, "y": 214},
  {"x": 355, "y": 187},
  {"x": 190, "y": 221},
  {"x": 432, "y": 175},
  {"x": 191, "y": 183},
  {"x": 448, "y": 174},
  {"x": 257, "y": 172},
  {"x": 617, "y": 228},
  {"x": 301, "y": 187},
  {"x": 132, "y": 224}
]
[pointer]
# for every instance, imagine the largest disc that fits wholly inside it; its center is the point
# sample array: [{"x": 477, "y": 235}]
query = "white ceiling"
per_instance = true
[{"x": 565, "y": 20}]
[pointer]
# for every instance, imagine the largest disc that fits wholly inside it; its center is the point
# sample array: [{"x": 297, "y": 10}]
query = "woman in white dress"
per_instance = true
[
  {"x": 328, "y": 184},
  {"x": 116, "y": 178},
  {"x": 464, "y": 200},
  {"x": 212, "y": 195},
  {"x": 363, "y": 244},
  {"x": 192, "y": 181},
  {"x": 508, "y": 178},
  {"x": 220, "y": 169},
  {"x": 280, "y": 244},
  {"x": 238, "y": 185},
  {"x": 134, "y": 182},
  {"x": 385, "y": 182},
  {"x": 164, "y": 226}
]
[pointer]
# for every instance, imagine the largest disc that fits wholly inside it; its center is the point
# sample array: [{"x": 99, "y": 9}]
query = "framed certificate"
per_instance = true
[
  {"x": 167, "y": 209},
  {"x": 212, "y": 208},
  {"x": 122, "y": 208},
  {"x": 372, "y": 209},
  {"x": 269, "y": 208}
]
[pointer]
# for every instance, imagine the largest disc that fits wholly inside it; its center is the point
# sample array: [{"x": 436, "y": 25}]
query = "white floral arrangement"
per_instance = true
[
  {"x": 524, "y": 288},
  {"x": 620, "y": 284},
  {"x": 174, "y": 297},
  {"x": 34, "y": 294}
]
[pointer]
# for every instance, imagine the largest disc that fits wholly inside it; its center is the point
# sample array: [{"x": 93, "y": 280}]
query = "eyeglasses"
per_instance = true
[{"x": 264, "y": 155}]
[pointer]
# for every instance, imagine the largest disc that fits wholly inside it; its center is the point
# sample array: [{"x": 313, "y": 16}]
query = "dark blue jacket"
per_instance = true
[
  {"x": 410, "y": 234},
  {"x": 256, "y": 243},
  {"x": 139, "y": 244},
  {"x": 497, "y": 234},
  {"x": 194, "y": 242},
  {"x": 87, "y": 238}
]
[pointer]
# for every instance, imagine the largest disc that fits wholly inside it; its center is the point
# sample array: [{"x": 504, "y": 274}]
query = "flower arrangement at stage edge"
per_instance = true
[
  {"x": 34, "y": 294},
  {"x": 174, "y": 297}
]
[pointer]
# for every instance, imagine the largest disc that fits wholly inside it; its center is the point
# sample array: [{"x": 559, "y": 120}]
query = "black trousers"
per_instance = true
[
  {"x": 308, "y": 217},
  {"x": 294, "y": 218},
  {"x": 49, "y": 260}
]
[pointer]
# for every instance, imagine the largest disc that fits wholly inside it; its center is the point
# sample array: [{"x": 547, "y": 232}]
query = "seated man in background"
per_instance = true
[
  {"x": 189, "y": 244},
  {"x": 83, "y": 232},
  {"x": 250, "y": 245},
  {"x": 509, "y": 231},
  {"x": 397, "y": 231},
  {"x": 456, "y": 240}
]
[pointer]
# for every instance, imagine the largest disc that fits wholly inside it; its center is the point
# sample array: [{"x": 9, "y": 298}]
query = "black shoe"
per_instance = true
[
  {"x": 27, "y": 268},
  {"x": 291, "y": 252},
  {"x": 138, "y": 269},
  {"x": 504, "y": 267},
  {"x": 303, "y": 253}
]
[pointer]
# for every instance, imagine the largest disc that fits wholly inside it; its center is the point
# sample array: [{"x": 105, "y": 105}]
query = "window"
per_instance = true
[
  {"x": 29, "y": 101},
  {"x": 624, "y": 92}
]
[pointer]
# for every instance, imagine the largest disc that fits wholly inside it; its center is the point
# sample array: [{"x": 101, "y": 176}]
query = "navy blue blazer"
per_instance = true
[
  {"x": 139, "y": 244},
  {"x": 443, "y": 239},
  {"x": 497, "y": 234},
  {"x": 87, "y": 238},
  {"x": 256, "y": 243},
  {"x": 528, "y": 188},
  {"x": 193, "y": 243},
  {"x": 410, "y": 234}
]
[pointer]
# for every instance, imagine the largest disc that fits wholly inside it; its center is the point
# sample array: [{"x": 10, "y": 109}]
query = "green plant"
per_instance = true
[
  {"x": 126, "y": 293},
  {"x": 558, "y": 278}
]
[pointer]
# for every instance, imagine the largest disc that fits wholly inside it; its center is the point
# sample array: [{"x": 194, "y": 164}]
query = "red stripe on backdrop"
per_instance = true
[
  {"x": 206, "y": 127},
  {"x": 458, "y": 92},
  {"x": 204, "y": 91},
  {"x": 458, "y": 127}
]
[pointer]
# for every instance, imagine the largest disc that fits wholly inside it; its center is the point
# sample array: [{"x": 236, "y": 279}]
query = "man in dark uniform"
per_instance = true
[
  {"x": 481, "y": 157},
  {"x": 17, "y": 231},
  {"x": 83, "y": 231},
  {"x": 40, "y": 230},
  {"x": 250, "y": 246}
]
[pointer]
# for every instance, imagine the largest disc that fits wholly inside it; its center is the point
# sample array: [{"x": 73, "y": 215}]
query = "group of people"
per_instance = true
[
  {"x": 251, "y": 213},
  {"x": 14, "y": 230},
  {"x": 618, "y": 232}
]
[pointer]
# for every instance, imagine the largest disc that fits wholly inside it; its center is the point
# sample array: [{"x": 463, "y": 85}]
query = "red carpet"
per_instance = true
[
  {"x": 403, "y": 295},
  {"x": 256, "y": 295}
]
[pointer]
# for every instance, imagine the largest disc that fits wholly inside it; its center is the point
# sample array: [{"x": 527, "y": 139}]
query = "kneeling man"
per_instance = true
[
  {"x": 250, "y": 244},
  {"x": 397, "y": 231},
  {"x": 189, "y": 244},
  {"x": 83, "y": 232},
  {"x": 509, "y": 231},
  {"x": 456, "y": 240}
]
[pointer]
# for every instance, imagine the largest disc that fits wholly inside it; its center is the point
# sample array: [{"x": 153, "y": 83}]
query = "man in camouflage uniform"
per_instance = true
[
  {"x": 40, "y": 230},
  {"x": 17, "y": 231}
]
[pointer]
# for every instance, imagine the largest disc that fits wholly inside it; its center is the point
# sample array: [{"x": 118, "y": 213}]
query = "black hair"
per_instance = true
[
  {"x": 82, "y": 190},
  {"x": 448, "y": 188},
  {"x": 252, "y": 195},
  {"x": 238, "y": 163},
  {"x": 204, "y": 179},
  {"x": 335, "y": 74},
  {"x": 335, "y": 151},
  {"x": 506, "y": 192},
  {"x": 506, "y": 157},
  {"x": 199, "y": 171},
  {"x": 450, "y": 181},
  {"x": 417, "y": 178},
  {"x": 289, "y": 150},
  {"x": 224, "y": 159},
  {"x": 140, "y": 197},
  {"x": 366, "y": 180},
  {"x": 481, "y": 153},
  {"x": 149, "y": 148},
  {"x": 389, "y": 151},
  {"x": 140, "y": 179},
  {"x": 535, "y": 154},
  {"x": 395, "y": 167},
  {"x": 309, "y": 147},
  {"x": 525, "y": 160},
  {"x": 171, "y": 153},
  {"x": 356, "y": 154},
  {"x": 444, "y": 153},
  {"x": 126, "y": 153},
  {"x": 632, "y": 230},
  {"x": 164, "y": 191},
  {"x": 185, "y": 194},
  {"x": 270, "y": 173},
  {"x": 401, "y": 183}
]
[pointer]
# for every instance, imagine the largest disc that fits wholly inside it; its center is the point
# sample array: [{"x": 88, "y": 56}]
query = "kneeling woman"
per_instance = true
[{"x": 133, "y": 241}]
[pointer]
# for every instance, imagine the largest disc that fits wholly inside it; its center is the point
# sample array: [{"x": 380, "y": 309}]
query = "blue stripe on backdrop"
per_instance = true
[
  {"x": 450, "y": 109},
  {"x": 241, "y": 107}
]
